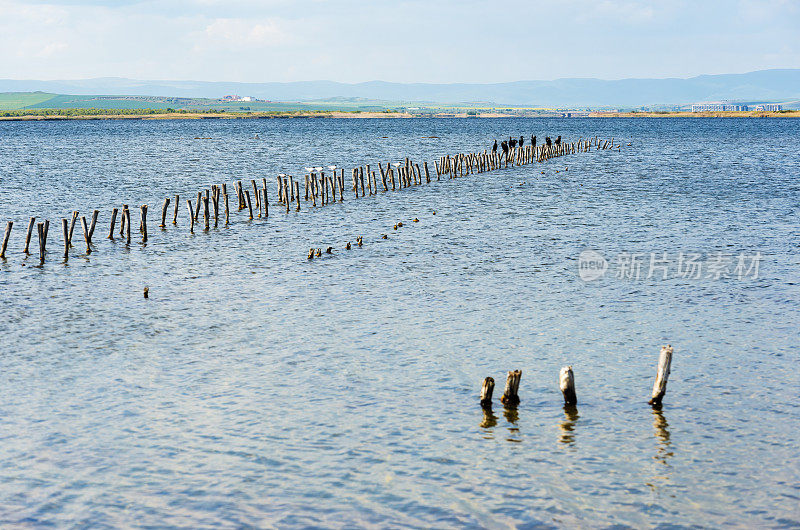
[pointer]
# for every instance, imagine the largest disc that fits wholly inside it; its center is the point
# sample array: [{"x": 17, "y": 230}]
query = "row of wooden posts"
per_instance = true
[
  {"x": 320, "y": 189},
  {"x": 566, "y": 383}
]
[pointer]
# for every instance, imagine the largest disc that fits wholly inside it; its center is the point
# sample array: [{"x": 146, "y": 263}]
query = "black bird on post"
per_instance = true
[
  {"x": 521, "y": 141},
  {"x": 548, "y": 141},
  {"x": 494, "y": 147},
  {"x": 512, "y": 142},
  {"x": 533, "y": 140},
  {"x": 504, "y": 145},
  {"x": 558, "y": 140}
]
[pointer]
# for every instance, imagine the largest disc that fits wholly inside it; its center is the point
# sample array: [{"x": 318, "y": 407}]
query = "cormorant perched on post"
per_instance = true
[
  {"x": 504, "y": 145},
  {"x": 494, "y": 147},
  {"x": 558, "y": 140},
  {"x": 533, "y": 140},
  {"x": 512, "y": 142},
  {"x": 521, "y": 141},
  {"x": 548, "y": 141}
]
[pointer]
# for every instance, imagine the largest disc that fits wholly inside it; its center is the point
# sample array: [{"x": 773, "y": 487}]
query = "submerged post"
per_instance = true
[
  {"x": 191, "y": 216},
  {"x": 113, "y": 221},
  {"x": 486, "y": 392},
  {"x": 164, "y": 213},
  {"x": 86, "y": 237},
  {"x": 28, "y": 235},
  {"x": 5, "y": 239},
  {"x": 510, "y": 397},
  {"x": 660, "y": 386},
  {"x": 566, "y": 381}
]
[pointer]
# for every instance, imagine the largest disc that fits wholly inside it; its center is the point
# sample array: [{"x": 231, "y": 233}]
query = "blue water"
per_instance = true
[{"x": 257, "y": 388}]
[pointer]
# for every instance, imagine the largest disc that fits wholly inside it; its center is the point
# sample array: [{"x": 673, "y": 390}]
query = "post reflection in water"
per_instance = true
[
  {"x": 664, "y": 450},
  {"x": 489, "y": 421},
  {"x": 512, "y": 416},
  {"x": 567, "y": 427},
  {"x": 662, "y": 469}
]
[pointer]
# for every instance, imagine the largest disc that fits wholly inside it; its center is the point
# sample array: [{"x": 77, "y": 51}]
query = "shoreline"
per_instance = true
[
  {"x": 708, "y": 114},
  {"x": 368, "y": 115}
]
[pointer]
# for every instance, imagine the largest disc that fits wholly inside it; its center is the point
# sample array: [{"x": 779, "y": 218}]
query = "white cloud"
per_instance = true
[{"x": 240, "y": 33}]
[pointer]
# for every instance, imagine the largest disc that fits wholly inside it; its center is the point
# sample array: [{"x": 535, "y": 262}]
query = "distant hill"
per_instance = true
[{"x": 764, "y": 85}]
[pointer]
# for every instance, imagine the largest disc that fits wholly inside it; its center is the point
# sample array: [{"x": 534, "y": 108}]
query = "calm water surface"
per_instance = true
[{"x": 256, "y": 388}]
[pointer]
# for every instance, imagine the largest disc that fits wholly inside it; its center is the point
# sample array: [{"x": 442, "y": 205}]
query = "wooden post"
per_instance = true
[
  {"x": 86, "y": 234},
  {"x": 123, "y": 220},
  {"x": 206, "y": 213},
  {"x": 486, "y": 392},
  {"x": 40, "y": 230},
  {"x": 72, "y": 226},
  {"x": 249, "y": 204},
  {"x": 266, "y": 201},
  {"x": 660, "y": 386},
  {"x": 286, "y": 193},
  {"x": 427, "y": 174},
  {"x": 28, "y": 235},
  {"x": 144, "y": 223},
  {"x": 197, "y": 206},
  {"x": 227, "y": 208},
  {"x": 65, "y": 228},
  {"x": 175, "y": 214},
  {"x": 6, "y": 235},
  {"x": 164, "y": 213},
  {"x": 94, "y": 223},
  {"x": 510, "y": 397},
  {"x": 297, "y": 195},
  {"x": 361, "y": 178},
  {"x": 566, "y": 381},
  {"x": 256, "y": 194},
  {"x": 191, "y": 216},
  {"x": 215, "y": 203},
  {"x": 127, "y": 225}
]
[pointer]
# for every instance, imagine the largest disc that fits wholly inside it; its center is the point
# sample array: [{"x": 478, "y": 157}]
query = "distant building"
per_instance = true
[
  {"x": 772, "y": 107},
  {"x": 717, "y": 107},
  {"x": 234, "y": 97}
]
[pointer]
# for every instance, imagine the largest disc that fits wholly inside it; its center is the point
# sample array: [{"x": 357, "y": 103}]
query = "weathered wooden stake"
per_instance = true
[
  {"x": 206, "y": 214},
  {"x": 566, "y": 381},
  {"x": 510, "y": 397},
  {"x": 227, "y": 208},
  {"x": 164, "y": 213},
  {"x": 175, "y": 214},
  {"x": 93, "y": 224},
  {"x": 249, "y": 203},
  {"x": 144, "y": 223},
  {"x": 28, "y": 235},
  {"x": 660, "y": 386},
  {"x": 65, "y": 228},
  {"x": 40, "y": 230},
  {"x": 86, "y": 234},
  {"x": 486, "y": 392},
  {"x": 6, "y": 235},
  {"x": 72, "y": 226},
  {"x": 191, "y": 216}
]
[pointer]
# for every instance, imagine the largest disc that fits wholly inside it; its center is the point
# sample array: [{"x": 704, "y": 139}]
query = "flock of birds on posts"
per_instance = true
[{"x": 320, "y": 189}]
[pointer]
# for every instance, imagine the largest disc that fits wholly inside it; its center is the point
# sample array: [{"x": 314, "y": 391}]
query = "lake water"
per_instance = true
[{"x": 257, "y": 388}]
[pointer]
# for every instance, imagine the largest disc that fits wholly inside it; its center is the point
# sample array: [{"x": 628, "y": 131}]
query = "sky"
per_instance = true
[{"x": 434, "y": 41}]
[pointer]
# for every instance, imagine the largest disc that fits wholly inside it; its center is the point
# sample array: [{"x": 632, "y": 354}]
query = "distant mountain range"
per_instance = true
[{"x": 763, "y": 85}]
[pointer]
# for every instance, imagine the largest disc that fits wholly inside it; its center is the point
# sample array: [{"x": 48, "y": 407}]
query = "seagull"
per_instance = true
[
  {"x": 332, "y": 168},
  {"x": 310, "y": 169}
]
